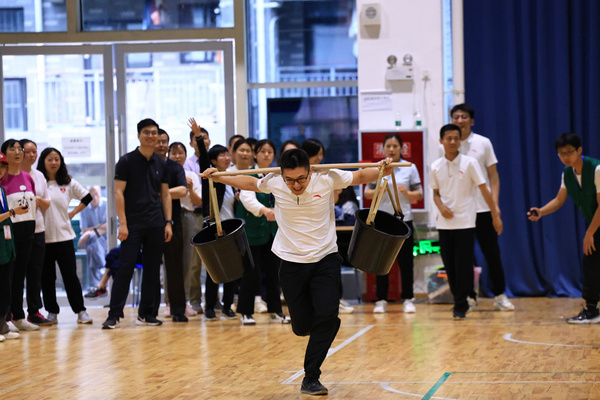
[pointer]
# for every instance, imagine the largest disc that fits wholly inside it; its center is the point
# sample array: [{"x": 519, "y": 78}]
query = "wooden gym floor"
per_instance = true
[{"x": 527, "y": 354}]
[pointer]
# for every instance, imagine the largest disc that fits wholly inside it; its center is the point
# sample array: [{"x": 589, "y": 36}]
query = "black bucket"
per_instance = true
[
  {"x": 226, "y": 258},
  {"x": 374, "y": 248}
]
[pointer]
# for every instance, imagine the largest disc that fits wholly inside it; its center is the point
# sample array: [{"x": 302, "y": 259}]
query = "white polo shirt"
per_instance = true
[
  {"x": 186, "y": 202},
  {"x": 457, "y": 182},
  {"x": 407, "y": 177},
  {"x": 480, "y": 148},
  {"x": 41, "y": 189},
  {"x": 306, "y": 223}
]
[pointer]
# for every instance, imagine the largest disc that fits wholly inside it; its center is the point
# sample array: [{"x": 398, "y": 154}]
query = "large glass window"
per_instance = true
[
  {"x": 33, "y": 16},
  {"x": 124, "y": 15},
  {"x": 302, "y": 73}
]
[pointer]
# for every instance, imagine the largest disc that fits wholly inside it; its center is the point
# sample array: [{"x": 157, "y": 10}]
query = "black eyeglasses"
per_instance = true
[{"x": 291, "y": 182}]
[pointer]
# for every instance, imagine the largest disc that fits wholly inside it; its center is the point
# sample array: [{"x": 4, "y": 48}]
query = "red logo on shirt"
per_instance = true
[
  {"x": 460, "y": 172},
  {"x": 63, "y": 189},
  {"x": 317, "y": 196}
]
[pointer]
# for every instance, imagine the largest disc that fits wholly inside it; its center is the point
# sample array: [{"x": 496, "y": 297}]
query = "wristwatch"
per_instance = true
[{"x": 170, "y": 221}]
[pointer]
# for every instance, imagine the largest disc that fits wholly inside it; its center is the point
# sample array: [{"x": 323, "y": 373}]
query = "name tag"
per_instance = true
[{"x": 7, "y": 232}]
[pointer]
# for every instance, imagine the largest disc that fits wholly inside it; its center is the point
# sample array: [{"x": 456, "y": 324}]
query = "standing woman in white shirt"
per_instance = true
[{"x": 59, "y": 235}]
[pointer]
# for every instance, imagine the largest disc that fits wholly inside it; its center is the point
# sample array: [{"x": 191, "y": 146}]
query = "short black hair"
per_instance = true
[
  {"x": 215, "y": 151},
  {"x": 463, "y": 107},
  {"x": 392, "y": 136},
  {"x": 567, "y": 138},
  {"x": 163, "y": 132},
  {"x": 9, "y": 143},
  {"x": 23, "y": 142},
  {"x": 146, "y": 122},
  {"x": 312, "y": 147},
  {"x": 176, "y": 144},
  {"x": 264, "y": 142},
  {"x": 240, "y": 142},
  {"x": 234, "y": 137},
  {"x": 294, "y": 158},
  {"x": 251, "y": 141},
  {"x": 448, "y": 127},
  {"x": 202, "y": 130}
]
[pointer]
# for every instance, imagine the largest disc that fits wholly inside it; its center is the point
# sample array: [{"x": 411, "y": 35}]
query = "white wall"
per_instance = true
[{"x": 413, "y": 27}]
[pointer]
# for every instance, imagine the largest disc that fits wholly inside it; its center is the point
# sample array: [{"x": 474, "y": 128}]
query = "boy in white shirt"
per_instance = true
[
  {"x": 455, "y": 179},
  {"x": 306, "y": 243}
]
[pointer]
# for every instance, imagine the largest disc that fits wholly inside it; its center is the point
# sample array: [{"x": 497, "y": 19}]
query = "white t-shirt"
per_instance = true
[
  {"x": 41, "y": 189},
  {"x": 306, "y": 223},
  {"x": 480, "y": 148},
  {"x": 186, "y": 202},
  {"x": 457, "y": 182},
  {"x": 409, "y": 178},
  {"x": 58, "y": 224},
  {"x": 578, "y": 177}
]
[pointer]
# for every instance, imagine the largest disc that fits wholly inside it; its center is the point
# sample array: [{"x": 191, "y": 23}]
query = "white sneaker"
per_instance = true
[
  {"x": 11, "y": 335},
  {"x": 260, "y": 307},
  {"x": 345, "y": 307},
  {"x": 52, "y": 318},
  {"x": 84, "y": 318},
  {"x": 380, "y": 307},
  {"x": 247, "y": 320},
  {"x": 473, "y": 305},
  {"x": 12, "y": 327},
  {"x": 25, "y": 325},
  {"x": 503, "y": 303},
  {"x": 408, "y": 306},
  {"x": 280, "y": 318}
]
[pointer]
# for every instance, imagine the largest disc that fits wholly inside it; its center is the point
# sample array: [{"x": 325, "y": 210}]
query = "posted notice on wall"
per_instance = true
[
  {"x": 77, "y": 147},
  {"x": 376, "y": 101}
]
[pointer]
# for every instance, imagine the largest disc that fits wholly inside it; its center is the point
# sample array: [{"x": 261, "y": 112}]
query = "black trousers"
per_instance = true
[
  {"x": 174, "y": 269},
  {"x": 5, "y": 283},
  {"x": 488, "y": 242},
  {"x": 312, "y": 295},
  {"x": 63, "y": 254},
  {"x": 151, "y": 241},
  {"x": 406, "y": 264},
  {"x": 23, "y": 235},
  {"x": 34, "y": 273},
  {"x": 591, "y": 274},
  {"x": 264, "y": 261},
  {"x": 211, "y": 293},
  {"x": 456, "y": 247}
]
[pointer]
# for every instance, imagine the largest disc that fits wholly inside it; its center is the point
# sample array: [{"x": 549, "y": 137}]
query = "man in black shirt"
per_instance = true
[{"x": 143, "y": 205}]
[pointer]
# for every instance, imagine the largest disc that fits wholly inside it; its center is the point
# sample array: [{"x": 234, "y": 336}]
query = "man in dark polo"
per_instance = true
[{"x": 143, "y": 205}]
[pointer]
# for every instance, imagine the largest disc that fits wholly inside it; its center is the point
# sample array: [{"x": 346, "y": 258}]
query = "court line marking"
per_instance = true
[
  {"x": 332, "y": 351},
  {"x": 508, "y": 337},
  {"x": 386, "y": 386},
  {"x": 437, "y": 385}
]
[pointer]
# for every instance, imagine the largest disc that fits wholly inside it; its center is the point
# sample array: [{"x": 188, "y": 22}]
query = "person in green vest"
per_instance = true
[
  {"x": 580, "y": 181},
  {"x": 257, "y": 210},
  {"x": 7, "y": 254}
]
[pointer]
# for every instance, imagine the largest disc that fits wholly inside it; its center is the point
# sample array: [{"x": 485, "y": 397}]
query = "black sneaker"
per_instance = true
[
  {"x": 589, "y": 315},
  {"x": 180, "y": 318},
  {"x": 39, "y": 319},
  {"x": 111, "y": 323},
  {"x": 209, "y": 315},
  {"x": 150, "y": 320},
  {"x": 313, "y": 387},
  {"x": 228, "y": 313},
  {"x": 459, "y": 315},
  {"x": 95, "y": 292}
]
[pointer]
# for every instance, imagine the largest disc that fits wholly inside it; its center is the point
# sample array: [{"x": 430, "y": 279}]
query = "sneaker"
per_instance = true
[
  {"x": 589, "y": 315},
  {"x": 473, "y": 305},
  {"x": 12, "y": 327},
  {"x": 409, "y": 306},
  {"x": 279, "y": 318},
  {"x": 149, "y": 320},
  {"x": 84, "y": 318},
  {"x": 260, "y": 307},
  {"x": 95, "y": 292},
  {"x": 111, "y": 323},
  {"x": 247, "y": 320},
  {"x": 11, "y": 335},
  {"x": 197, "y": 307},
  {"x": 180, "y": 318},
  {"x": 209, "y": 315},
  {"x": 380, "y": 307},
  {"x": 52, "y": 317},
  {"x": 228, "y": 313},
  {"x": 313, "y": 387},
  {"x": 345, "y": 307},
  {"x": 39, "y": 319},
  {"x": 503, "y": 303},
  {"x": 459, "y": 315},
  {"x": 25, "y": 325},
  {"x": 189, "y": 311},
  {"x": 167, "y": 313}
]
